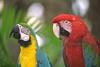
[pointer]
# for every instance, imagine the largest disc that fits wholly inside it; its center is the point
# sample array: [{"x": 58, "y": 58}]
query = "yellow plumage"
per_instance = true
[{"x": 27, "y": 56}]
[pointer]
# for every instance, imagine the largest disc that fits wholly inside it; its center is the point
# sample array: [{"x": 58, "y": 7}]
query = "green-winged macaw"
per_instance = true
[
  {"x": 73, "y": 31},
  {"x": 30, "y": 53}
]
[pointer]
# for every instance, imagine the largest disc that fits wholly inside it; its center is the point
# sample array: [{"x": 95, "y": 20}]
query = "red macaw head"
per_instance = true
[{"x": 65, "y": 25}]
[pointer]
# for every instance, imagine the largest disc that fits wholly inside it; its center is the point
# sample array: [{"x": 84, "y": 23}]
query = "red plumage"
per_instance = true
[{"x": 73, "y": 52}]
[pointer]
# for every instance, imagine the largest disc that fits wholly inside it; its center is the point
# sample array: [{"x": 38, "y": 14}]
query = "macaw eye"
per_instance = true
[
  {"x": 66, "y": 25},
  {"x": 25, "y": 31},
  {"x": 65, "y": 22}
]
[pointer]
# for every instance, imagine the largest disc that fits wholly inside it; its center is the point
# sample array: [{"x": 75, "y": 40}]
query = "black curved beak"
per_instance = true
[{"x": 15, "y": 32}]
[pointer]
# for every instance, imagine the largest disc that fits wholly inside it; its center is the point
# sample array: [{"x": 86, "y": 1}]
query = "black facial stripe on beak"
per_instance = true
[
  {"x": 25, "y": 43},
  {"x": 15, "y": 32},
  {"x": 63, "y": 32}
]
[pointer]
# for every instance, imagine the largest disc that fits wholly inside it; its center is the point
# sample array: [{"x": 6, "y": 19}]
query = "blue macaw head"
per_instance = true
[{"x": 21, "y": 33}]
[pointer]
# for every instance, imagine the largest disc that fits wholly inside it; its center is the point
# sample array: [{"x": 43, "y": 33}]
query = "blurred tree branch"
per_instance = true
[
  {"x": 94, "y": 17},
  {"x": 19, "y": 4}
]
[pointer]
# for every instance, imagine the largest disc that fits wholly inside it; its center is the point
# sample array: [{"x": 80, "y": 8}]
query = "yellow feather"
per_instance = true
[{"x": 27, "y": 56}]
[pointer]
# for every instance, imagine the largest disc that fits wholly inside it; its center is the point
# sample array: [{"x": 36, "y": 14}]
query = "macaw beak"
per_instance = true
[
  {"x": 56, "y": 30},
  {"x": 15, "y": 32},
  {"x": 62, "y": 30}
]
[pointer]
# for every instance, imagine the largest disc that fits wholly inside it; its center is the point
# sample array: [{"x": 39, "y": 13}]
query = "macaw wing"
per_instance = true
[
  {"x": 42, "y": 59},
  {"x": 91, "y": 51},
  {"x": 18, "y": 65},
  {"x": 90, "y": 56}
]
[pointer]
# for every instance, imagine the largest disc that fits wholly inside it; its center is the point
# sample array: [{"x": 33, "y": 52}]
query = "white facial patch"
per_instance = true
[
  {"x": 56, "y": 30},
  {"x": 24, "y": 37},
  {"x": 66, "y": 25}
]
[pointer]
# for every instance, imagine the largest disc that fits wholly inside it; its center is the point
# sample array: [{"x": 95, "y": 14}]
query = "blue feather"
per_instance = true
[
  {"x": 42, "y": 59},
  {"x": 90, "y": 57}
]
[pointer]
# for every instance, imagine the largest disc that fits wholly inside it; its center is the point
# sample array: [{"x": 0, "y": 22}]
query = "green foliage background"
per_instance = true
[{"x": 9, "y": 18}]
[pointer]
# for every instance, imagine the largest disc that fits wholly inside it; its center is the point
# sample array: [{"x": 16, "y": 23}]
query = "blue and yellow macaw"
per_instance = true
[{"x": 30, "y": 53}]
